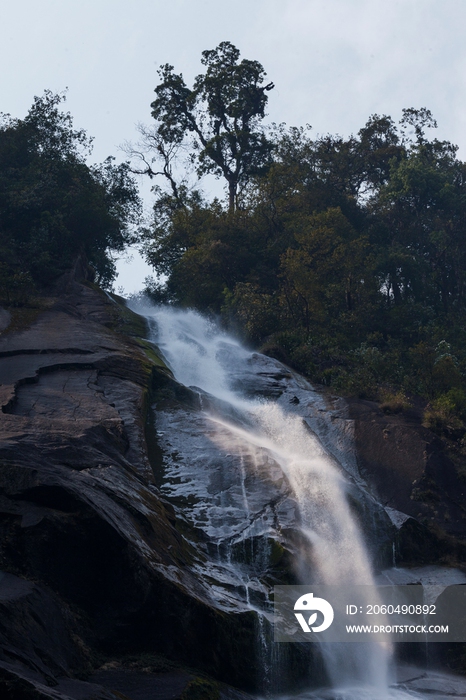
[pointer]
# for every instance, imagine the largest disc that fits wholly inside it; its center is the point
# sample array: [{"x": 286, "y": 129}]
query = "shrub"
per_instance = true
[
  {"x": 445, "y": 415},
  {"x": 393, "y": 401},
  {"x": 16, "y": 286}
]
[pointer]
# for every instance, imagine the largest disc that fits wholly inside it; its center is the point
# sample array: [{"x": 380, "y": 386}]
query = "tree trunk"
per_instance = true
[{"x": 231, "y": 196}]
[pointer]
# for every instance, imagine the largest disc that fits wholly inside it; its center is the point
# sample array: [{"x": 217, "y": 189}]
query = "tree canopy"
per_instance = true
[
  {"x": 220, "y": 116},
  {"x": 53, "y": 206},
  {"x": 344, "y": 256},
  {"x": 346, "y": 259}
]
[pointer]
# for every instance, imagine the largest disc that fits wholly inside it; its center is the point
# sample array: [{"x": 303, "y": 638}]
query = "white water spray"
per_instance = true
[{"x": 333, "y": 550}]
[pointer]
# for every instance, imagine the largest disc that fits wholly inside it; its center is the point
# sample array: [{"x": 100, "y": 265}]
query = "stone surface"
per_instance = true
[
  {"x": 80, "y": 514},
  {"x": 409, "y": 472},
  {"x": 97, "y": 562},
  {"x": 430, "y": 684}
]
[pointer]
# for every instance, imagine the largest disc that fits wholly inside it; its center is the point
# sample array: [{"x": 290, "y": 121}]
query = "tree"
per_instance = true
[
  {"x": 419, "y": 218},
  {"x": 329, "y": 272},
  {"x": 53, "y": 206},
  {"x": 220, "y": 116}
]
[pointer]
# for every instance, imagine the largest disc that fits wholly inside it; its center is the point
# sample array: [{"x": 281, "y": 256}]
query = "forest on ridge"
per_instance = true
[{"x": 344, "y": 257}]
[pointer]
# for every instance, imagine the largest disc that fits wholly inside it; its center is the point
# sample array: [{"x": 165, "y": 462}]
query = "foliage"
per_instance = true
[
  {"x": 344, "y": 257},
  {"x": 447, "y": 407},
  {"x": 328, "y": 269},
  {"x": 53, "y": 206},
  {"x": 200, "y": 688},
  {"x": 16, "y": 286},
  {"x": 447, "y": 413},
  {"x": 253, "y": 311},
  {"x": 220, "y": 116},
  {"x": 394, "y": 401}
]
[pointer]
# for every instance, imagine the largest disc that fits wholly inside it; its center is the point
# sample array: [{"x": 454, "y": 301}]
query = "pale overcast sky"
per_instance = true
[{"x": 334, "y": 62}]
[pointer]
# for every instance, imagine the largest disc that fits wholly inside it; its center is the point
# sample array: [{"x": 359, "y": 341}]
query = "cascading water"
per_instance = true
[{"x": 262, "y": 441}]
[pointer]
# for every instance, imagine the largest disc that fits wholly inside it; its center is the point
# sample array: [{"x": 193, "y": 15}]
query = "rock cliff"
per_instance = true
[
  {"x": 93, "y": 565},
  {"x": 96, "y": 570},
  {"x": 410, "y": 472}
]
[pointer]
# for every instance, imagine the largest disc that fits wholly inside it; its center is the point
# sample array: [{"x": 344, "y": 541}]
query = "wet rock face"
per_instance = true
[
  {"x": 236, "y": 501},
  {"x": 408, "y": 471},
  {"x": 80, "y": 512},
  {"x": 115, "y": 538}
]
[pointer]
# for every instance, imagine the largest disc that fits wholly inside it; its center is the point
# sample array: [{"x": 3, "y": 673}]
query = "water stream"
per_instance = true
[{"x": 249, "y": 469}]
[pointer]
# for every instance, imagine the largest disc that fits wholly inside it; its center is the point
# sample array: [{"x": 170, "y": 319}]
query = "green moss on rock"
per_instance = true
[{"x": 201, "y": 689}]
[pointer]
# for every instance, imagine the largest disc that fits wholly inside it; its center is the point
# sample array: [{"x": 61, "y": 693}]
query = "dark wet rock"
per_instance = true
[
  {"x": 40, "y": 645},
  {"x": 80, "y": 512},
  {"x": 409, "y": 472},
  {"x": 430, "y": 684},
  {"x": 119, "y": 539},
  {"x": 137, "y": 685},
  {"x": 401, "y": 459},
  {"x": 30, "y": 687},
  {"x": 171, "y": 685}
]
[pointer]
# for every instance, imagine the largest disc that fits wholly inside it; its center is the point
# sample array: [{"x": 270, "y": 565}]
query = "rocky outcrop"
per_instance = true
[
  {"x": 93, "y": 563},
  {"x": 99, "y": 571},
  {"x": 409, "y": 471}
]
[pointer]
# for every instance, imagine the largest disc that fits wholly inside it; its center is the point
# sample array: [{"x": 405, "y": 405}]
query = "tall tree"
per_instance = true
[
  {"x": 220, "y": 116},
  {"x": 53, "y": 206}
]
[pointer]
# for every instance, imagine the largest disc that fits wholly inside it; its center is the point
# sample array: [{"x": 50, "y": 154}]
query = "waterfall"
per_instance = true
[{"x": 266, "y": 438}]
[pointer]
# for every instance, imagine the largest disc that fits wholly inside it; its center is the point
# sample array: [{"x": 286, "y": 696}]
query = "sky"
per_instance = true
[{"x": 333, "y": 62}]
